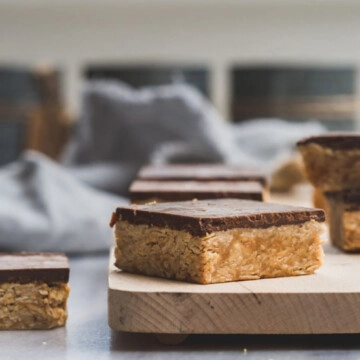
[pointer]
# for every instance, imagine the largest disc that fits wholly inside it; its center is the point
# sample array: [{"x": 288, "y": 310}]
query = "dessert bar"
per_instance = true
[
  {"x": 143, "y": 191},
  {"x": 220, "y": 240},
  {"x": 201, "y": 172},
  {"x": 33, "y": 290},
  {"x": 332, "y": 161}
]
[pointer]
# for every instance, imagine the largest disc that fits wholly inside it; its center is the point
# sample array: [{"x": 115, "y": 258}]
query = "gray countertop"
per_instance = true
[{"x": 87, "y": 335}]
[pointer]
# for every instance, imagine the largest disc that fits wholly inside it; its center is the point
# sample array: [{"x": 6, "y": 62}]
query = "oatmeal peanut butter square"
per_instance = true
[
  {"x": 144, "y": 191},
  {"x": 220, "y": 240},
  {"x": 332, "y": 161},
  {"x": 33, "y": 290},
  {"x": 201, "y": 172}
]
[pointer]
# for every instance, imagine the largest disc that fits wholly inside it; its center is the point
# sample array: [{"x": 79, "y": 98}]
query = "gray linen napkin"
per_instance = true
[{"x": 44, "y": 208}]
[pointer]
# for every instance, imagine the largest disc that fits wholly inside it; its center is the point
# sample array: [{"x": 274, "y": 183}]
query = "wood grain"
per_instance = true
[{"x": 323, "y": 303}]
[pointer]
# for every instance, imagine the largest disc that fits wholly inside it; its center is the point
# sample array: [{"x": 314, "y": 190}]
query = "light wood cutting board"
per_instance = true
[{"x": 325, "y": 302}]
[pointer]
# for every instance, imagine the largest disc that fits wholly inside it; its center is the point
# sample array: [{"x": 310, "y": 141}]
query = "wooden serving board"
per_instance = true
[{"x": 325, "y": 302}]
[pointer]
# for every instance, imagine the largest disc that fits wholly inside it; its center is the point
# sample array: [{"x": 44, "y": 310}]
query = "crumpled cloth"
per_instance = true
[
  {"x": 268, "y": 143},
  {"x": 44, "y": 208},
  {"x": 122, "y": 129}
]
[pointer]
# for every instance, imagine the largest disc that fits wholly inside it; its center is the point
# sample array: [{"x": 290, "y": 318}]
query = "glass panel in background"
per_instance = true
[
  {"x": 147, "y": 75},
  {"x": 18, "y": 97},
  {"x": 297, "y": 93},
  {"x": 32, "y": 115},
  {"x": 11, "y": 140}
]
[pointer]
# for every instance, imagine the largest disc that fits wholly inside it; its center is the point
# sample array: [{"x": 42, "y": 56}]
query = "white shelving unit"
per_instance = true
[
  {"x": 172, "y": 3},
  {"x": 218, "y": 33}
]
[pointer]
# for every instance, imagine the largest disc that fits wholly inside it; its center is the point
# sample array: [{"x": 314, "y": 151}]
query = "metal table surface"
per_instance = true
[{"x": 87, "y": 335}]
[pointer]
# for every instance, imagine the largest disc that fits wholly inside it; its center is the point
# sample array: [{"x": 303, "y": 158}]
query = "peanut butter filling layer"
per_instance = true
[
  {"x": 331, "y": 170},
  {"x": 33, "y": 305},
  {"x": 222, "y": 256}
]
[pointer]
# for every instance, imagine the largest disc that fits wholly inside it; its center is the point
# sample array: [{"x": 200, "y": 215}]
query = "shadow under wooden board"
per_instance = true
[{"x": 327, "y": 302}]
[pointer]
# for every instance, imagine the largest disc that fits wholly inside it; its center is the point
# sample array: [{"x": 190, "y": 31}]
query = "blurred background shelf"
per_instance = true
[
  {"x": 167, "y": 39},
  {"x": 173, "y": 2},
  {"x": 216, "y": 34}
]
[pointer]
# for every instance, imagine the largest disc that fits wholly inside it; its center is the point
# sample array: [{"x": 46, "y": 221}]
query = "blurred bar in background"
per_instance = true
[
  {"x": 32, "y": 115},
  {"x": 298, "y": 93},
  {"x": 147, "y": 75}
]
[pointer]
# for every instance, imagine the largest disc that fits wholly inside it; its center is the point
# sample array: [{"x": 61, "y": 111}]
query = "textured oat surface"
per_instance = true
[
  {"x": 235, "y": 254},
  {"x": 33, "y": 305},
  {"x": 331, "y": 170}
]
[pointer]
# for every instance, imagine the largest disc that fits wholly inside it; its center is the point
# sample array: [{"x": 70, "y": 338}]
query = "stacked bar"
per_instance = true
[
  {"x": 187, "y": 182},
  {"x": 145, "y": 191},
  {"x": 220, "y": 240},
  {"x": 33, "y": 290},
  {"x": 332, "y": 164},
  {"x": 201, "y": 172}
]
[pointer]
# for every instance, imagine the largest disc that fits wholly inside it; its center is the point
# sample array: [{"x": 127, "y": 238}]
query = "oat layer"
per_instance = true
[
  {"x": 331, "y": 169},
  {"x": 222, "y": 256},
  {"x": 33, "y": 305}
]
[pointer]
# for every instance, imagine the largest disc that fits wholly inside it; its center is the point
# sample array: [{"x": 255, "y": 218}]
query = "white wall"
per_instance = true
[{"x": 218, "y": 33}]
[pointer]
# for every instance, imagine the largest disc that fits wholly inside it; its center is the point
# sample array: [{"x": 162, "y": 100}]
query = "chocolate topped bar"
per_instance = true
[
  {"x": 25, "y": 268},
  {"x": 201, "y": 172},
  {"x": 144, "y": 190},
  {"x": 211, "y": 241},
  {"x": 206, "y": 216},
  {"x": 335, "y": 141},
  {"x": 332, "y": 161},
  {"x": 33, "y": 290}
]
